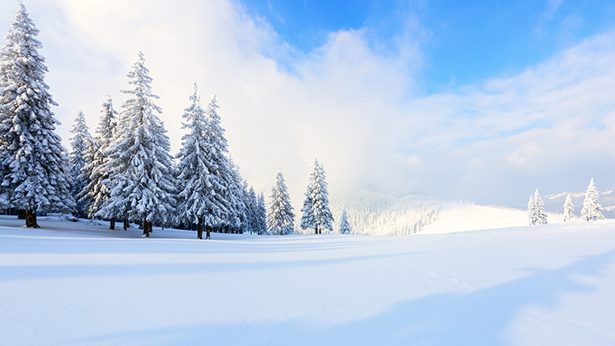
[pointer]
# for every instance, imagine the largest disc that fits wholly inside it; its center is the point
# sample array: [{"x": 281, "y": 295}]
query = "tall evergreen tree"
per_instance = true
[
  {"x": 33, "y": 162},
  {"x": 344, "y": 224},
  {"x": 568, "y": 208},
  {"x": 536, "y": 210},
  {"x": 316, "y": 212},
  {"x": 82, "y": 146},
  {"x": 142, "y": 182},
  {"x": 592, "y": 210},
  {"x": 223, "y": 169},
  {"x": 98, "y": 188},
  {"x": 201, "y": 198},
  {"x": 281, "y": 216}
]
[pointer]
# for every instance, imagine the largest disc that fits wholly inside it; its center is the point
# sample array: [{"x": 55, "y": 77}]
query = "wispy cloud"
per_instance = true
[{"x": 348, "y": 102}]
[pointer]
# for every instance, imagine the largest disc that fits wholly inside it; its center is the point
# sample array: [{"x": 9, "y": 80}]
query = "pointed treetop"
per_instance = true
[{"x": 195, "y": 94}]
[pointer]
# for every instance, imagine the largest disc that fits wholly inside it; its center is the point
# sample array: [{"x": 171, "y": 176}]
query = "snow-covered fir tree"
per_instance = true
[
  {"x": 281, "y": 216},
  {"x": 97, "y": 191},
  {"x": 541, "y": 215},
  {"x": 142, "y": 183},
  {"x": 261, "y": 215},
  {"x": 82, "y": 147},
  {"x": 231, "y": 189},
  {"x": 568, "y": 208},
  {"x": 33, "y": 163},
  {"x": 316, "y": 212},
  {"x": 252, "y": 210},
  {"x": 536, "y": 210},
  {"x": 236, "y": 196},
  {"x": 592, "y": 210},
  {"x": 530, "y": 210},
  {"x": 344, "y": 224},
  {"x": 201, "y": 188}
]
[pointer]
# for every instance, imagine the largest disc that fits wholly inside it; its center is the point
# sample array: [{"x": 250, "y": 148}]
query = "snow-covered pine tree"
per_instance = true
[
  {"x": 201, "y": 198},
  {"x": 98, "y": 190},
  {"x": 82, "y": 146},
  {"x": 316, "y": 212},
  {"x": 344, "y": 224},
  {"x": 307, "y": 211},
  {"x": 531, "y": 210},
  {"x": 536, "y": 207},
  {"x": 252, "y": 210},
  {"x": 592, "y": 210},
  {"x": 261, "y": 215},
  {"x": 143, "y": 184},
  {"x": 568, "y": 208},
  {"x": 236, "y": 197},
  {"x": 33, "y": 162},
  {"x": 542, "y": 214},
  {"x": 230, "y": 182},
  {"x": 281, "y": 216}
]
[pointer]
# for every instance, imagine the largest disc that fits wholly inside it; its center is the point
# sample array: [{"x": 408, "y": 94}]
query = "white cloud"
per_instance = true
[{"x": 348, "y": 102}]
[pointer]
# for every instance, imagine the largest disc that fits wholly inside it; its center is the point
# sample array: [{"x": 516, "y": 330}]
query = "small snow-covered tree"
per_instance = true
[
  {"x": 33, "y": 162},
  {"x": 261, "y": 215},
  {"x": 307, "y": 215},
  {"x": 82, "y": 147},
  {"x": 530, "y": 210},
  {"x": 536, "y": 210},
  {"x": 592, "y": 210},
  {"x": 568, "y": 208},
  {"x": 98, "y": 189},
  {"x": 281, "y": 216},
  {"x": 251, "y": 203},
  {"x": 344, "y": 224},
  {"x": 143, "y": 186},
  {"x": 316, "y": 212},
  {"x": 201, "y": 188}
]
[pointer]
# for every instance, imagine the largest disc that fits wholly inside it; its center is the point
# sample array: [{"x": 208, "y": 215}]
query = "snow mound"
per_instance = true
[{"x": 463, "y": 217}]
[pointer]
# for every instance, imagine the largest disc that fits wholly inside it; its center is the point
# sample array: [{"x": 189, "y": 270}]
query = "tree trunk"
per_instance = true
[
  {"x": 112, "y": 224},
  {"x": 126, "y": 224},
  {"x": 207, "y": 232},
  {"x": 146, "y": 228},
  {"x": 31, "y": 219},
  {"x": 199, "y": 231}
]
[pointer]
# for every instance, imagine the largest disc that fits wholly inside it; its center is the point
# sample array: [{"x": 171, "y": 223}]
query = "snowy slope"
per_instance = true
[
  {"x": 380, "y": 214},
  {"x": 459, "y": 217},
  {"x": 79, "y": 284}
]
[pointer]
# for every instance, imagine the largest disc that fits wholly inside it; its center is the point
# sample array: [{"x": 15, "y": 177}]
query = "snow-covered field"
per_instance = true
[{"x": 77, "y": 283}]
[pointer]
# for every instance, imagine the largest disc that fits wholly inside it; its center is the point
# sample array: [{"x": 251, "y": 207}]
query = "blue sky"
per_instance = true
[{"x": 462, "y": 41}]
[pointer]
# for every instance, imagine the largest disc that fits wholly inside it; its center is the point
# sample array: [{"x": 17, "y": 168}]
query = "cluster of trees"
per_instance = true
[
  {"x": 316, "y": 212},
  {"x": 125, "y": 172},
  {"x": 591, "y": 210}
]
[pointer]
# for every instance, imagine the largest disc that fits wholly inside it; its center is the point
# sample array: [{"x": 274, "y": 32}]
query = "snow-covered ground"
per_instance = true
[
  {"x": 461, "y": 217},
  {"x": 77, "y": 283}
]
